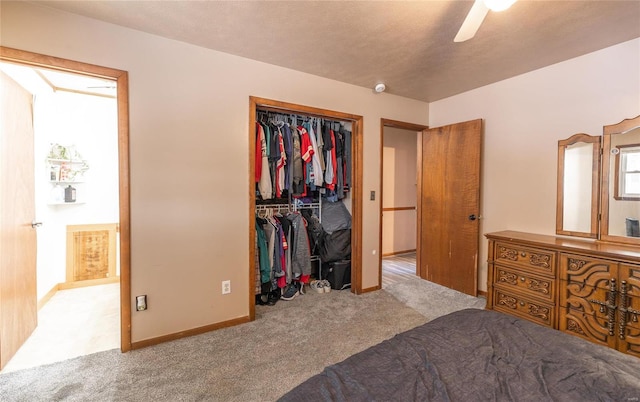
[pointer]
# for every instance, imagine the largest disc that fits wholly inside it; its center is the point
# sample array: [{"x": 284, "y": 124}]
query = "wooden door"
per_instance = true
[
  {"x": 18, "y": 299},
  {"x": 450, "y": 205}
]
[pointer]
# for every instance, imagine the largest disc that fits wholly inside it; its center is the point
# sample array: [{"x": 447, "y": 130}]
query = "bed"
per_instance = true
[{"x": 478, "y": 355}]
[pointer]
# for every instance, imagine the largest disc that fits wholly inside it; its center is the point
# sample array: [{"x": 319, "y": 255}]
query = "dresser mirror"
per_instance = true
[
  {"x": 578, "y": 186},
  {"x": 591, "y": 183},
  {"x": 620, "y": 192}
]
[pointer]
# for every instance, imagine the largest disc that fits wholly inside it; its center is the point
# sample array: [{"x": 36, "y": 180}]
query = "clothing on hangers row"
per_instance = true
[
  {"x": 298, "y": 158},
  {"x": 283, "y": 249}
]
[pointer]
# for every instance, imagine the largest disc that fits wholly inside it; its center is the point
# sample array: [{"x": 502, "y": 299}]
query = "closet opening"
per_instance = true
[{"x": 305, "y": 208}]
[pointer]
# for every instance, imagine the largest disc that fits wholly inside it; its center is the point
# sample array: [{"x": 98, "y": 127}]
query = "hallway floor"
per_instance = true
[
  {"x": 398, "y": 268},
  {"x": 73, "y": 323}
]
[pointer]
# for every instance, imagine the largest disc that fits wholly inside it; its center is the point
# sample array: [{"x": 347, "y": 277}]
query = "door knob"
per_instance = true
[
  {"x": 35, "y": 224},
  {"x": 472, "y": 217}
]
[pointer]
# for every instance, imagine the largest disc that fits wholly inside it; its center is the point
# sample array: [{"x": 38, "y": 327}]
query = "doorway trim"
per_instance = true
[
  {"x": 122, "y": 82},
  {"x": 356, "y": 188},
  {"x": 418, "y": 128}
]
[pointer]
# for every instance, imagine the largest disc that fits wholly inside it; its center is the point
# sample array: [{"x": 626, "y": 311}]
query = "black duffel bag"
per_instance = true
[{"x": 336, "y": 246}]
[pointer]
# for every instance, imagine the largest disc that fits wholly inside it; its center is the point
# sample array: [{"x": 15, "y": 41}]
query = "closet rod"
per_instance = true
[
  {"x": 298, "y": 112},
  {"x": 261, "y": 113}
]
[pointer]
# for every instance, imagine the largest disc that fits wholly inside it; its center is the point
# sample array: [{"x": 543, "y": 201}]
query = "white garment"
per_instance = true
[
  {"x": 319, "y": 141},
  {"x": 328, "y": 174},
  {"x": 264, "y": 185},
  {"x": 318, "y": 178}
]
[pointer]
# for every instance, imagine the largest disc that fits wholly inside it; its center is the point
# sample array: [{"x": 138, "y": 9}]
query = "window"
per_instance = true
[{"x": 628, "y": 172}]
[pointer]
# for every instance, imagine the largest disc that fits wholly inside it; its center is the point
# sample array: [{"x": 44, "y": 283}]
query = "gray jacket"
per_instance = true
[{"x": 300, "y": 253}]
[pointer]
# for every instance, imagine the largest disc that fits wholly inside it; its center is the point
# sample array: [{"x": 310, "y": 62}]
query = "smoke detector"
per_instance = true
[{"x": 379, "y": 88}]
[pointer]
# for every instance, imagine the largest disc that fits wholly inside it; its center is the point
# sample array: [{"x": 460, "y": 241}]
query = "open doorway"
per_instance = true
[
  {"x": 76, "y": 203},
  {"x": 400, "y": 155},
  {"x": 80, "y": 190}
]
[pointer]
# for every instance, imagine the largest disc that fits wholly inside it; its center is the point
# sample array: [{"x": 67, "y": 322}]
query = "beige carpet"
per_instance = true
[
  {"x": 75, "y": 322},
  {"x": 257, "y": 361},
  {"x": 432, "y": 300}
]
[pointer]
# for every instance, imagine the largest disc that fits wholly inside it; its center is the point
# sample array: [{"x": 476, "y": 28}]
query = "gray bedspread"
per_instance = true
[{"x": 478, "y": 355}]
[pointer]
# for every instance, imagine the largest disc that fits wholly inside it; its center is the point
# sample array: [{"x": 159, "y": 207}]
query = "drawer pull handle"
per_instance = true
[
  {"x": 523, "y": 254},
  {"x": 522, "y": 278},
  {"x": 609, "y": 307},
  {"x": 522, "y": 304}
]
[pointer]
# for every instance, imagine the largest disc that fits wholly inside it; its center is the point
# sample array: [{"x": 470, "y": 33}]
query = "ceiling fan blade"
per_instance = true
[{"x": 473, "y": 21}]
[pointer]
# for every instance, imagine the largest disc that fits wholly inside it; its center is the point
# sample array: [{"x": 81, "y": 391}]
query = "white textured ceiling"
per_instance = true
[{"x": 408, "y": 45}]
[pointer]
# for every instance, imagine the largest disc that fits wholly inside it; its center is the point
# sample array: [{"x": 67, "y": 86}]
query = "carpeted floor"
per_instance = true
[
  {"x": 433, "y": 300},
  {"x": 257, "y": 361}
]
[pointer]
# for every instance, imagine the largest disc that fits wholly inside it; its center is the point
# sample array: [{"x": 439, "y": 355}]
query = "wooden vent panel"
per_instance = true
[{"x": 91, "y": 252}]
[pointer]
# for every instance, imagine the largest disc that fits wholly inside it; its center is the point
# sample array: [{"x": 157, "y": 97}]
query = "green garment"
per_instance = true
[{"x": 263, "y": 253}]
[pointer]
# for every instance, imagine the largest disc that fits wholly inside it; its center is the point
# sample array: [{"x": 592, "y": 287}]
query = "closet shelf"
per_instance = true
[
  {"x": 65, "y": 203},
  {"x": 66, "y": 181}
]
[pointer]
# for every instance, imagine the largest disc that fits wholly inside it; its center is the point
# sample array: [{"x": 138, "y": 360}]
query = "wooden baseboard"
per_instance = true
[
  {"x": 482, "y": 293},
  {"x": 191, "y": 332},
  {"x": 88, "y": 282},
  {"x": 48, "y": 296},
  {"x": 398, "y": 252},
  {"x": 371, "y": 289},
  {"x": 74, "y": 285}
]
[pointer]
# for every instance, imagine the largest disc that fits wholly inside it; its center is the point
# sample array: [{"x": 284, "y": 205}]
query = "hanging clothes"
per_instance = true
[
  {"x": 339, "y": 166},
  {"x": 263, "y": 251},
  {"x": 280, "y": 164},
  {"x": 286, "y": 241},
  {"x": 264, "y": 181},
  {"x": 302, "y": 156},
  {"x": 288, "y": 150},
  {"x": 317, "y": 178},
  {"x": 347, "y": 159},
  {"x": 297, "y": 188},
  {"x": 300, "y": 252},
  {"x": 320, "y": 143}
]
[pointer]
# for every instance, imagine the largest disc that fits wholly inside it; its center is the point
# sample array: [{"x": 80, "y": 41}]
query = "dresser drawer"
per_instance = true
[
  {"x": 530, "y": 259},
  {"x": 631, "y": 342},
  {"x": 508, "y": 279},
  {"x": 522, "y": 306},
  {"x": 591, "y": 271},
  {"x": 581, "y": 297},
  {"x": 587, "y": 326}
]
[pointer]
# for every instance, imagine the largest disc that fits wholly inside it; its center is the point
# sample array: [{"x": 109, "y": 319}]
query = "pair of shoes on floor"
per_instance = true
[
  {"x": 321, "y": 286},
  {"x": 268, "y": 299},
  {"x": 290, "y": 292}
]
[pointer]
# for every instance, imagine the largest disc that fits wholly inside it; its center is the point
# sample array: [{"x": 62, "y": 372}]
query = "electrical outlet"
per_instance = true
[
  {"x": 226, "y": 287},
  {"x": 141, "y": 303}
]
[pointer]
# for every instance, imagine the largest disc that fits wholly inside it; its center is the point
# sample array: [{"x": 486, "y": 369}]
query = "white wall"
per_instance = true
[
  {"x": 90, "y": 124},
  {"x": 525, "y": 116},
  {"x": 399, "y": 181},
  {"x": 189, "y": 154}
]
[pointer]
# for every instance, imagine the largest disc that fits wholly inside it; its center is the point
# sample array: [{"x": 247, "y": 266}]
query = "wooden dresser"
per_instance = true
[{"x": 585, "y": 288}]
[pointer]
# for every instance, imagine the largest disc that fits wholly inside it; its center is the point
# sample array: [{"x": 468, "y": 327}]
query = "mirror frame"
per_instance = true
[
  {"x": 613, "y": 129},
  {"x": 595, "y": 183}
]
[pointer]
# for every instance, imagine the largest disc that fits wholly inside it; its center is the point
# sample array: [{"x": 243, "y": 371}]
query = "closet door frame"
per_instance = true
[{"x": 356, "y": 184}]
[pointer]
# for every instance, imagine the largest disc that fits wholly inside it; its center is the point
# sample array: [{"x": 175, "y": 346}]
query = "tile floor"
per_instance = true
[{"x": 74, "y": 322}]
